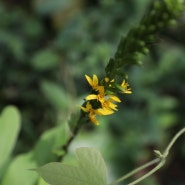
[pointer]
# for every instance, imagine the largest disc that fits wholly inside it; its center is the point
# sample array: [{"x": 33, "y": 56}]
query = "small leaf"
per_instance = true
[
  {"x": 91, "y": 170},
  {"x": 45, "y": 60},
  {"x": 55, "y": 94},
  {"x": 50, "y": 142}
]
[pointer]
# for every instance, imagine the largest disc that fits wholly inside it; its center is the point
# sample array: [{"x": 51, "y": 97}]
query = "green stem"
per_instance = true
[
  {"x": 173, "y": 141},
  {"x": 161, "y": 161},
  {"x": 74, "y": 131},
  {"x": 135, "y": 171}
]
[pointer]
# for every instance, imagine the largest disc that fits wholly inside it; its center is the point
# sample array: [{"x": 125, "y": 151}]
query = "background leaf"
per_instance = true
[
  {"x": 9, "y": 128},
  {"x": 91, "y": 170},
  {"x": 55, "y": 94},
  {"x": 19, "y": 171}
]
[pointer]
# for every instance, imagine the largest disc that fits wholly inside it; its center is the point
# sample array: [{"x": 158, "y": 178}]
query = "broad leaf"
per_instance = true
[
  {"x": 19, "y": 172},
  {"x": 91, "y": 170},
  {"x": 9, "y": 129}
]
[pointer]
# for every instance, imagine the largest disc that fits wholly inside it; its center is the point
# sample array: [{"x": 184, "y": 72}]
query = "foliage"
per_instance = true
[
  {"x": 91, "y": 170},
  {"x": 47, "y": 46},
  {"x": 9, "y": 129}
]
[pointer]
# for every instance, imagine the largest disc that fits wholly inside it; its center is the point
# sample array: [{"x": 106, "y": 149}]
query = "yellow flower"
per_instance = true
[
  {"x": 125, "y": 87},
  {"x": 100, "y": 96},
  {"x": 105, "y": 100},
  {"x": 108, "y": 105},
  {"x": 92, "y": 113},
  {"x": 93, "y": 82}
]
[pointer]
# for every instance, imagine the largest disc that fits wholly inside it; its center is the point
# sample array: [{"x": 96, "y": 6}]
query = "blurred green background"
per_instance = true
[{"x": 46, "y": 47}]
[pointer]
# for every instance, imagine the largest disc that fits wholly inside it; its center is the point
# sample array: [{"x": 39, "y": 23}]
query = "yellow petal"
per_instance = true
[
  {"x": 112, "y": 106},
  {"x": 104, "y": 111},
  {"x": 101, "y": 90},
  {"x": 93, "y": 119},
  {"x": 91, "y": 97},
  {"x": 84, "y": 109},
  {"x": 115, "y": 98},
  {"x": 90, "y": 81},
  {"x": 128, "y": 91},
  {"x": 95, "y": 80}
]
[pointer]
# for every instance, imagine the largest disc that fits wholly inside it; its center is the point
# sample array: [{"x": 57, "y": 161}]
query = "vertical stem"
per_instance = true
[{"x": 74, "y": 134}]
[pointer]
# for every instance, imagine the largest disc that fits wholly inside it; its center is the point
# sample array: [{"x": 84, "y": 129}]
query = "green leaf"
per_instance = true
[
  {"x": 45, "y": 60},
  {"x": 9, "y": 128},
  {"x": 91, "y": 170},
  {"x": 42, "y": 182},
  {"x": 50, "y": 142},
  {"x": 55, "y": 94},
  {"x": 50, "y": 6},
  {"x": 19, "y": 171}
]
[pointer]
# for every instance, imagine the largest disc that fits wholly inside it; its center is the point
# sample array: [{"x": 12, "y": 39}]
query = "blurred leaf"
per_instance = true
[
  {"x": 55, "y": 94},
  {"x": 168, "y": 103},
  {"x": 45, "y": 60},
  {"x": 42, "y": 182},
  {"x": 9, "y": 128},
  {"x": 19, "y": 171},
  {"x": 90, "y": 171},
  {"x": 50, "y": 6},
  {"x": 50, "y": 142},
  {"x": 35, "y": 33},
  {"x": 167, "y": 120},
  {"x": 14, "y": 43}
]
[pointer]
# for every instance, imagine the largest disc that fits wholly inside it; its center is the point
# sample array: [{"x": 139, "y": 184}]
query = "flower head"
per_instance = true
[{"x": 102, "y": 101}]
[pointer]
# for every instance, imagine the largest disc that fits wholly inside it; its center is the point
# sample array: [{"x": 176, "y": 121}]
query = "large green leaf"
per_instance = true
[
  {"x": 91, "y": 170},
  {"x": 9, "y": 129},
  {"x": 19, "y": 172}
]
